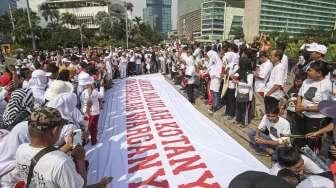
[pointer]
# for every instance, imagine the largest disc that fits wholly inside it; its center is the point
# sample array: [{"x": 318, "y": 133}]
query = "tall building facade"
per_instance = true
[
  {"x": 188, "y": 18},
  {"x": 213, "y": 19},
  {"x": 158, "y": 15},
  {"x": 292, "y": 16},
  {"x": 219, "y": 16},
  {"x": 6, "y": 5}
]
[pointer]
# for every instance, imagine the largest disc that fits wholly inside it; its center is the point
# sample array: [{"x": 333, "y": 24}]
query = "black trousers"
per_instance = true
[
  {"x": 243, "y": 111},
  {"x": 190, "y": 92},
  {"x": 230, "y": 102},
  {"x": 306, "y": 125}
]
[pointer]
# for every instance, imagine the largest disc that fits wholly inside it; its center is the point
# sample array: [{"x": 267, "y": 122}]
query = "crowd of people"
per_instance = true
[{"x": 51, "y": 101}]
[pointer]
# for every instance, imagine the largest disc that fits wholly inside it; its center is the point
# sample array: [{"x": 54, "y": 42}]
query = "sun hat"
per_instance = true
[
  {"x": 40, "y": 73},
  {"x": 57, "y": 87},
  {"x": 322, "y": 49}
]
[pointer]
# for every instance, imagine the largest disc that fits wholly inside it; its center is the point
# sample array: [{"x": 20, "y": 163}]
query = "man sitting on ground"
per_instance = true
[{"x": 271, "y": 123}]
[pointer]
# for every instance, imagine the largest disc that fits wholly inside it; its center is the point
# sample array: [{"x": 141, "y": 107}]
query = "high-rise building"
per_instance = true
[
  {"x": 158, "y": 15},
  {"x": 189, "y": 17},
  {"x": 218, "y": 17},
  {"x": 292, "y": 16},
  {"x": 6, "y": 5}
]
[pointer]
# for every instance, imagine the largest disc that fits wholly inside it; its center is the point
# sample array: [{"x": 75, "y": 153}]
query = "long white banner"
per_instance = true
[{"x": 151, "y": 136}]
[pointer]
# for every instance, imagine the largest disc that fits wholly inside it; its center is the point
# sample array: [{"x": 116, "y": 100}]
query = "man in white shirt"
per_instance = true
[
  {"x": 276, "y": 126},
  {"x": 263, "y": 72},
  {"x": 276, "y": 82},
  {"x": 190, "y": 75},
  {"x": 261, "y": 76},
  {"x": 284, "y": 60},
  {"x": 55, "y": 168}
]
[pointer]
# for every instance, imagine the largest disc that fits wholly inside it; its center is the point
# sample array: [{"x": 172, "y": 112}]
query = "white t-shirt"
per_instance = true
[
  {"x": 231, "y": 58},
  {"x": 53, "y": 170},
  {"x": 309, "y": 167},
  {"x": 276, "y": 130},
  {"x": 95, "y": 96},
  {"x": 284, "y": 62},
  {"x": 316, "y": 181},
  {"x": 10, "y": 143},
  {"x": 276, "y": 78},
  {"x": 264, "y": 72},
  {"x": 313, "y": 92}
]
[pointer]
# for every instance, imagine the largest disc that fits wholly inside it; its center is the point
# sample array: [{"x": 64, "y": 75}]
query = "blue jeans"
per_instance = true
[
  {"x": 251, "y": 133},
  {"x": 215, "y": 100},
  {"x": 138, "y": 69}
]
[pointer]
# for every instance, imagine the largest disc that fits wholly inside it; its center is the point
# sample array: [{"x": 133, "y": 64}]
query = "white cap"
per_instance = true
[
  {"x": 66, "y": 60},
  {"x": 40, "y": 73},
  {"x": 320, "y": 48},
  {"x": 30, "y": 57}
]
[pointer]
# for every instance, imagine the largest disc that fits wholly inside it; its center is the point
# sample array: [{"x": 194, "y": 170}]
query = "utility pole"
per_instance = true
[
  {"x": 81, "y": 35},
  {"x": 30, "y": 26},
  {"x": 12, "y": 21},
  {"x": 126, "y": 24},
  {"x": 224, "y": 33}
]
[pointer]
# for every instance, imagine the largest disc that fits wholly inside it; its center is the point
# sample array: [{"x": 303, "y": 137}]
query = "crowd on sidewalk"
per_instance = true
[{"x": 51, "y": 101}]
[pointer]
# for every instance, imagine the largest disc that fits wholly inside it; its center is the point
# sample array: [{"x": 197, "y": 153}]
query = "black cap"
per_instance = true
[{"x": 254, "y": 179}]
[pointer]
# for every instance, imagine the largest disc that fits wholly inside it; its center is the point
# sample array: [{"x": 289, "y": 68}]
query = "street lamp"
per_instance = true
[
  {"x": 30, "y": 26},
  {"x": 126, "y": 25}
]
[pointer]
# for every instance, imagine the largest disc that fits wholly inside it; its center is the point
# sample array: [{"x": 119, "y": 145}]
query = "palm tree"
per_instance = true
[
  {"x": 137, "y": 20},
  {"x": 49, "y": 14},
  {"x": 129, "y": 7},
  {"x": 69, "y": 19}
]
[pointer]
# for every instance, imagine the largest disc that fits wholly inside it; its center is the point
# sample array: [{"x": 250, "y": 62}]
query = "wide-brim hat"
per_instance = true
[
  {"x": 40, "y": 73},
  {"x": 328, "y": 108},
  {"x": 57, "y": 87}
]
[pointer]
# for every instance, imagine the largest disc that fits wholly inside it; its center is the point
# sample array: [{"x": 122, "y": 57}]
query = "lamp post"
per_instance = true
[
  {"x": 12, "y": 21},
  {"x": 126, "y": 25},
  {"x": 30, "y": 26}
]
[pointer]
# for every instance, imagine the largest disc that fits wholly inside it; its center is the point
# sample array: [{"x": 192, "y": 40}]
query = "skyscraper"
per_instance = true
[
  {"x": 293, "y": 16},
  {"x": 189, "y": 17},
  {"x": 158, "y": 15},
  {"x": 6, "y": 4},
  {"x": 219, "y": 16}
]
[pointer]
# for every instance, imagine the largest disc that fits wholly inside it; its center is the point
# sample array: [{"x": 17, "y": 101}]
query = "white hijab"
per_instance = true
[
  {"x": 65, "y": 103},
  {"x": 216, "y": 63}
]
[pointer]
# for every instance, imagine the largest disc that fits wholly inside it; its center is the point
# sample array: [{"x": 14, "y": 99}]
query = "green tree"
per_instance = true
[
  {"x": 22, "y": 30},
  {"x": 69, "y": 20},
  {"x": 49, "y": 14}
]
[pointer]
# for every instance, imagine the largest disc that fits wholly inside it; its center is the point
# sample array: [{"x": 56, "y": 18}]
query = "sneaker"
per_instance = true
[
  {"x": 210, "y": 111},
  {"x": 262, "y": 153}
]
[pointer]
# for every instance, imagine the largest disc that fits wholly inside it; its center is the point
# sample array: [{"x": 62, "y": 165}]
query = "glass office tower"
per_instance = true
[
  {"x": 213, "y": 19},
  {"x": 158, "y": 15}
]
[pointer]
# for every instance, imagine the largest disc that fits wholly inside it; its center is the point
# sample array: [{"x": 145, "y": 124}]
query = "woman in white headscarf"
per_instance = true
[
  {"x": 215, "y": 71},
  {"x": 66, "y": 103},
  {"x": 38, "y": 84}
]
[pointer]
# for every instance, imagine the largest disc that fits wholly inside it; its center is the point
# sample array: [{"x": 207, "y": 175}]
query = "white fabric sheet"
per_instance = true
[{"x": 218, "y": 155}]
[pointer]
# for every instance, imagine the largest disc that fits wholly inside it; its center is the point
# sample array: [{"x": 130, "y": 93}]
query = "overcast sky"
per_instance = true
[{"x": 138, "y": 7}]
